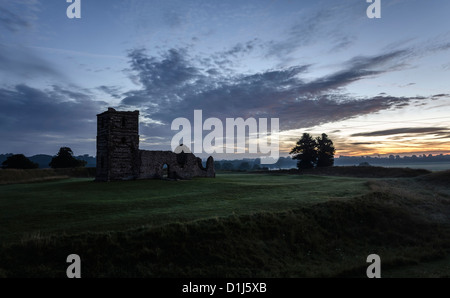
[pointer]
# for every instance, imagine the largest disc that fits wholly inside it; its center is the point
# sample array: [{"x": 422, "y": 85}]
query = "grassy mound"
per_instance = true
[
  {"x": 326, "y": 239},
  {"x": 439, "y": 178}
]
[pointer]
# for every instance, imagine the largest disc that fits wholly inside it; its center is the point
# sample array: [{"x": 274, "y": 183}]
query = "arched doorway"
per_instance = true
[{"x": 165, "y": 171}]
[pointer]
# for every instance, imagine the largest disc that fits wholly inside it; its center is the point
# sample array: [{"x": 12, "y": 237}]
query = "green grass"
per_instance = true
[
  {"x": 79, "y": 205},
  {"x": 14, "y": 176},
  {"x": 237, "y": 225},
  {"x": 327, "y": 239}
]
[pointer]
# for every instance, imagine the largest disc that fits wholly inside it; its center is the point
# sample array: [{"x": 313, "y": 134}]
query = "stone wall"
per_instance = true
[
  {"x": 117, "y": 145},
  {"x": 179, "y": 166},
  {"x": 119, "y": 157}
]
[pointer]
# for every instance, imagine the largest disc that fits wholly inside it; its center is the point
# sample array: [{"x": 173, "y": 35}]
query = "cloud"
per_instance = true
[
  {"x": 111, "y": 90},
  {"x": 301, "y": 34},
  {"x": 17, "y": 16},
  {"x": 361, "y": 143},
  {"x": 332, "y": 108},
  {"x": 11, "y": 21},
  {"x": 355, "y": 69},
  {"x": 22, "y": 63},
  {"x": 408, "y": 130},
  {"x": 333, "y": 23},
  {"x": 440, "y": 95},
  {"x": 243, "y": 48},
  {"x": 159, "y": 77},
  {"x": 175, "y": 84},
  {"x": 49, "y": 117}
]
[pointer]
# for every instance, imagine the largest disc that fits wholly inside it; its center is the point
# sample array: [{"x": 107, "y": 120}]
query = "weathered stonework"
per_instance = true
[{"x": 119, "y": 157}]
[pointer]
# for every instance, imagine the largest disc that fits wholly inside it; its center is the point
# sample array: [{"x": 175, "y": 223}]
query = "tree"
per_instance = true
[
  {"x": 227, "y": 166},
  {"x": 256, "y": 167},
  {"x": 244, "y": 166},
  {"x": 19, "y": 161},
  {"x": 325, "y": 151},
  {"x": 65, "y": 159},
  {"x": 305, "y": 152}
]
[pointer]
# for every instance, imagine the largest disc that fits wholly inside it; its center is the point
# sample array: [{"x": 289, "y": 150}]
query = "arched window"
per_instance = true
[{"x": 165, "y": 173}]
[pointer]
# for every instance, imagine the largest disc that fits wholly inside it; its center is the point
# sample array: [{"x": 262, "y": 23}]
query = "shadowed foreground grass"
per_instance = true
[
  {"x": 323, "y": 240},
  {"x": 79, "y": 205},
  {"x": 282, "y": 226},
  {"x": 14, "y": 176}
]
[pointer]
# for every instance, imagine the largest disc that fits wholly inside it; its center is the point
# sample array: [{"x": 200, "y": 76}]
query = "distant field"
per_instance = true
[{"x": 79, "y": 205}]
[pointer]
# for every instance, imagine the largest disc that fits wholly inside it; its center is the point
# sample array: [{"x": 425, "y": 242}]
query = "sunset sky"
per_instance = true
[{"x": 375, "y": 86}]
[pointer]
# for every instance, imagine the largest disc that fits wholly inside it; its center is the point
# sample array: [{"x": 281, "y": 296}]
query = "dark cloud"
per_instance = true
[
  {"x": 331, "y": 108},
  {"x": 441, "y": 95},
  {"x": 408, "y": 130},
  {"x": 223, "y": 62},
  {"x": 356, "y": 69},
  {"x": 51, "y": 118},
  {"x": 242, "y": 48},
  {"x": 111, "y": 90},
  {"x": 175, "y": 84},
  {"x": 161, "y": 78}
]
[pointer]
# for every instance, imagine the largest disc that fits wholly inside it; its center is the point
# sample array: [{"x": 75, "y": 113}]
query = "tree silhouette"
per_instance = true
[
  {"x": 217, "y": 165},
  {"x": 244, "y": 166},
  {"x": 19, "y": 161},
  {"x": 65, "y": 159},
  {"x": 325, "y": 151},
  {"x": 256, "y": 167},
  {"x": 305, "y": 152},
  {"x": 227, "y": 166}
]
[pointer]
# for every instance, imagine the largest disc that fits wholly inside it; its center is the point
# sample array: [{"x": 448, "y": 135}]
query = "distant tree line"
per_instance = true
[
  {"x": 64, "y": 159},
  {"x": 19, "y": 161}
]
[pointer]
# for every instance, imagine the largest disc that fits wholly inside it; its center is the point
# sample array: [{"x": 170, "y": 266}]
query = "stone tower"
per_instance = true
[{"x": 117, "y": 145}]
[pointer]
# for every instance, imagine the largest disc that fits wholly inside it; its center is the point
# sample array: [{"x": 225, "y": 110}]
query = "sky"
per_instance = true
[{"x": 374, "y": 86}]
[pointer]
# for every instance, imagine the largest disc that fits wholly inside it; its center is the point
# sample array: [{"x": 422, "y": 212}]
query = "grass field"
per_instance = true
[
  {"x": 237, "y": 225},
  {"x": 79, "y": 205}
]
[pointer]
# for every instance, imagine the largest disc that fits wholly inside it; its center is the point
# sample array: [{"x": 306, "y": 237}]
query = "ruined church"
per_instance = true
[{"x": 119, "y": 157}]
